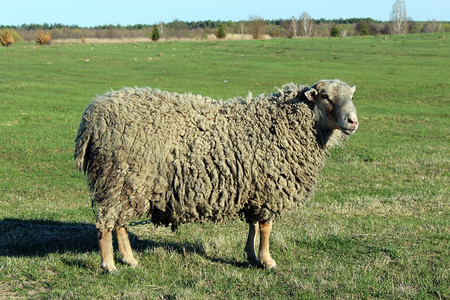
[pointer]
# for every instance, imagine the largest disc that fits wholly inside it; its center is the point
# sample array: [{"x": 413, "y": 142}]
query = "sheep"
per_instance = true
[{"x": 186, "y": 158}]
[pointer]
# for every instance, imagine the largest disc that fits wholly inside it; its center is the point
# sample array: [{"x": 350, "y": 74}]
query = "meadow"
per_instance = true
[{"x": 377, "y": 227}]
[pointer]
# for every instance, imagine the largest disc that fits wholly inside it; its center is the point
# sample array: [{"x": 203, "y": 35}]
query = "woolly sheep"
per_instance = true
[{"x": 186, "y": 158}]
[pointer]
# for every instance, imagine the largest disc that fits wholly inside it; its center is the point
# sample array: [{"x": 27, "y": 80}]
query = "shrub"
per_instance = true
[
  {"x": 43, "y": 38},
  {"x": 220, "y": 32},
  {"x": 204, "y": 35},
  {"x": 290, "y": 33},
  {"x": 363, "y": 28},
  {"x": 155, "y": 34},
  {"x": 275, "y": 31},
  {"x": 6, "y": 38},
  {"x": 335, "y": 31},
  {"x": 17, "y": 38}
]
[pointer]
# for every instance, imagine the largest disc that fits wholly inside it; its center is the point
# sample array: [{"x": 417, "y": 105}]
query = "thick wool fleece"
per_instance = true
[{"x": 187, "y": 158}]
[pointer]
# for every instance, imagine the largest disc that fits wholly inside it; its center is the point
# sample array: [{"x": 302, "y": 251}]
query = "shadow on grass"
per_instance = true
[
  {"x": 39, "y": 238},
  {"x": 182, "y": 248}
]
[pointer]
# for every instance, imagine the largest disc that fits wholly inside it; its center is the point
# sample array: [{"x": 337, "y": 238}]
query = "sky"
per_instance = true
[{"x": 89, "y": 13}]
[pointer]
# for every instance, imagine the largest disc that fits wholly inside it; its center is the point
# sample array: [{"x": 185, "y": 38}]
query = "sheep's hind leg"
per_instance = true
[
  {"x": 249, "y": 251},
  {"x": 106, "y": 249},
  {"x": 265, "y": 227},
  {"x": 125, "y": 248}
]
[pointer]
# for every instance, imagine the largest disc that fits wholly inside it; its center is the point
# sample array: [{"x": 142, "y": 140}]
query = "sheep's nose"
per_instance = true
[{"x": 353, "y": 122}]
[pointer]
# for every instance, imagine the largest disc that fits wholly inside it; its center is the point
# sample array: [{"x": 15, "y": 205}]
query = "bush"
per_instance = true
[
  {"x": 220, "y": 32},
  {"x": 204, "y": 35},
  {"x": 335, "y": 31},
  {"x": 17, "y": 38},
  {"x": 155, "y": 34},
  {"x": 43, "y": 38},
  {"x": 363, "y": 28},
  {"x": 275, "y": 31},
  {"x": 6, "y": 38}
]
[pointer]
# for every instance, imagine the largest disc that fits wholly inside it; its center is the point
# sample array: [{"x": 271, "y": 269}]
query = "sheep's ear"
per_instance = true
[
  {"x": 353, "y": 88},
  {"x": 311, "y": 94}
]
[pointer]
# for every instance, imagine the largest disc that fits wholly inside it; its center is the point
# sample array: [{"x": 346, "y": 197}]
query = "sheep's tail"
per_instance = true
[{"x": 82, "y": 143}]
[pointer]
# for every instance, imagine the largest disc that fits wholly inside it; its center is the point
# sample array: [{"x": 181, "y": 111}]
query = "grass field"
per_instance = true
[{"x": 378, "y": 226}]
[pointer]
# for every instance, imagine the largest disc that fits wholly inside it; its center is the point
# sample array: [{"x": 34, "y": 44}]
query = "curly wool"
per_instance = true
[{"x": 188, "y": 158}]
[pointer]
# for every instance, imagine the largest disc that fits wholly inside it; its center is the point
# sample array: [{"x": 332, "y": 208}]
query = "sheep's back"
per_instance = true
[{"x": 138, "y": 138}]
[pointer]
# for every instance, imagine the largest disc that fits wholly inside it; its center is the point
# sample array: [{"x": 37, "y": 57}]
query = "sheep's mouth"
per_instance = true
[{"x": 348, "y": 131}]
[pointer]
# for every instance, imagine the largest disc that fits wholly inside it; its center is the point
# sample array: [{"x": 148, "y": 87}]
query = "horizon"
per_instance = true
[
  {"x": 85, "y": 13},
  {"x": 57, "y": 25}
]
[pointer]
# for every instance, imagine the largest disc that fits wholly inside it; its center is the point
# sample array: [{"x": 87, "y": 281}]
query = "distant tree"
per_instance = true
[
  {"x": 241, "y": 27},
  {"x": 414, "y": 27},
  {"x": 363, "y": 28},
  {"x": 432, "y": 26},
  {"x": 161, "y": 29},
  {"x": 292, "y": 33},
  {"x": 177, "y": 27},
  {"x": 256, "y": 27},
  {"x": 275, "y": 30},
  {"x": 306, "y": 25},
  {"x": 335, "y": 31},
  {"x": 347, "y": 30},
  {"x": 399, "y": 21},
  {"x": 6, "y": 38},
  {"x": 220, "y": 32},
  {"x": 323, "y": 30},
  {"x": 155, "y": 34}
]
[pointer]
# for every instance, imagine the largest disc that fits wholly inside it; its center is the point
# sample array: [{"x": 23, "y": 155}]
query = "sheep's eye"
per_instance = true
[{"x": 326, "y": 98}]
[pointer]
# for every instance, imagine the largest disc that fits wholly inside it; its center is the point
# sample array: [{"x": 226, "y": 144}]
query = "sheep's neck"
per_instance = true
[{"x": 326, "y": 137}]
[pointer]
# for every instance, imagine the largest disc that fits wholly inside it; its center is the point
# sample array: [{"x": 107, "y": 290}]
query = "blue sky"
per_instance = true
[{"x": 130, "y": 12}]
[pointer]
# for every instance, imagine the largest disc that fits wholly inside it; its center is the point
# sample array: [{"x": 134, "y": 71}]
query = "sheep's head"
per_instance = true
[{"x": 333, "y": 105}]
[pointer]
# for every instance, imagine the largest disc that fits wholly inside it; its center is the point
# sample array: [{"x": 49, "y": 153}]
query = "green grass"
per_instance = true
[{"x": 378, "y": 226}]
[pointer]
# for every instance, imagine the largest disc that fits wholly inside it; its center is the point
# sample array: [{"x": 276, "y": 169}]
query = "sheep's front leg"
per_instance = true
[
  {"x": 249, "y": 251},
  {"x": 106, "y": 249},
  {"x": 124, "y": 247},
  {"x": 265, "y": 227}
]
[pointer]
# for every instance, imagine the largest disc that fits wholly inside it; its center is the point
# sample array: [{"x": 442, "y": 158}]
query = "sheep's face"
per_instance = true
[{"x": 334, "y": 105}]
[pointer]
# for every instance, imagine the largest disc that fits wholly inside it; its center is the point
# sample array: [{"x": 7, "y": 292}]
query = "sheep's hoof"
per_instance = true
[
  {"x": 130, "y": 262},
  {"x": 110, "y": 268},
  {"x": 255, "y": 263},
  {"x": 269, "y": 265}
]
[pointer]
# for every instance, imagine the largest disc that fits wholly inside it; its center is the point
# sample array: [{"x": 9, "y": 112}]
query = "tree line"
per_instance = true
[{"x": 303, "y": 26}]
